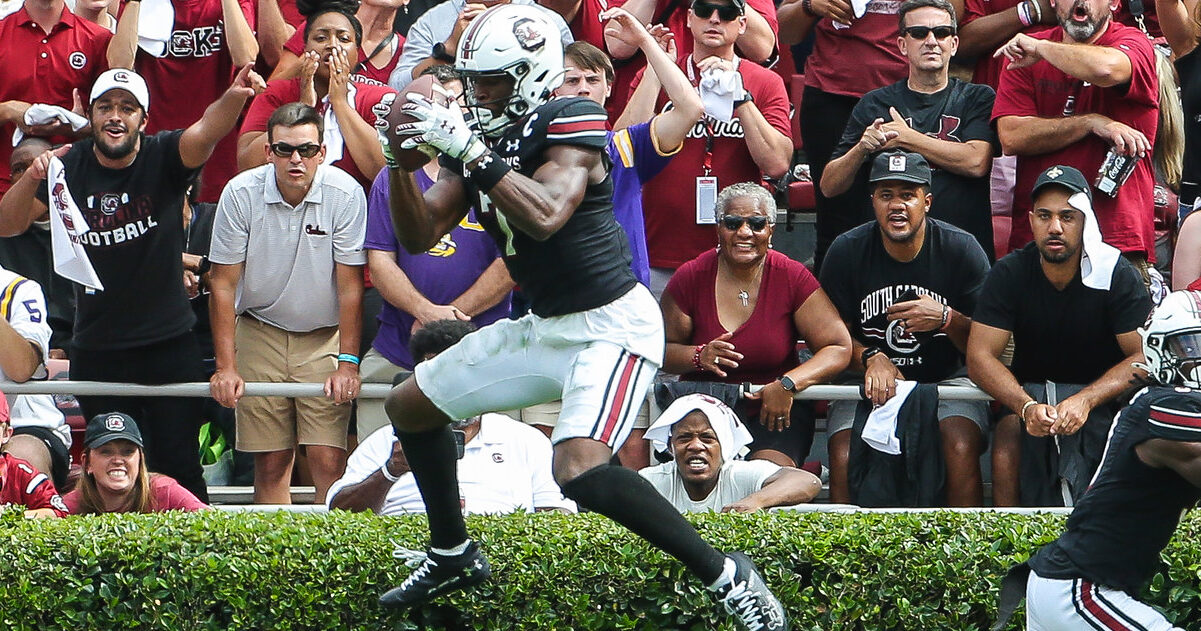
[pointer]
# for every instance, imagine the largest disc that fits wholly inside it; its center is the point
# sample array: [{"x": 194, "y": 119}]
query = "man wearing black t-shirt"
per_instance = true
[
  {"x": 945, "y": 120},
  {"x": 535, "y": 170},
  {"x": 906, "y": 286},
  {"x": 1072, "y": 306},
  {"x": 129, "y": 189},
  {"x": 1151, "y": 474}
]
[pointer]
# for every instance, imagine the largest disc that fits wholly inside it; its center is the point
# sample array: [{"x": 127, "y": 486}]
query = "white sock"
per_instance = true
[
  {"x": 452, "y": 552},
  {"x": 726, "y": 577}
]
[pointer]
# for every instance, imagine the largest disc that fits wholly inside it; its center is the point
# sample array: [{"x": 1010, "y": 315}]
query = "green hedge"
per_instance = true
[{"x": 222, "y": 570}]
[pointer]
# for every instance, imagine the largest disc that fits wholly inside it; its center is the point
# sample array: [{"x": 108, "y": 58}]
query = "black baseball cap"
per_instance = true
[
  {"x": 1065, "y": 176},
  {"x": 110, "y": 426},
  {"x": 900, "y": 166}
]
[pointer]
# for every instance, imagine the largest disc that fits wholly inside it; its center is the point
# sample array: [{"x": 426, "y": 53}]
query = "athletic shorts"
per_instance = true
[
  {"x": 60, "y": 456},
  {"x": 1070, "y": 604},
  {"x": 599, "y": 362},
  {"x": 841, "y": 414},
  {"x": 547, "y": 414}
]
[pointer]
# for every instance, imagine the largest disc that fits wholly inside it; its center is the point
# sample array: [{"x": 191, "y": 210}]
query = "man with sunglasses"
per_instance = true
[
  {"x": 906, "y": 285},
  {"x": 945, "y": 120},
  {"x": 287, "y": 255}
]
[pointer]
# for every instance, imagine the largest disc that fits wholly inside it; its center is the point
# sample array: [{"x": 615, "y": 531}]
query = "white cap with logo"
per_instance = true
[{"x": 120, "y": 78}]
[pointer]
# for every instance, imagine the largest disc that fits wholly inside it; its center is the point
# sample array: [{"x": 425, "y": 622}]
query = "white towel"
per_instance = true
[
  {"x": 66, "y": 226},
  {"x": 732, "y": 435},
  {"x": 880, "y": 430},
  {"x": 41, "y": 114},
  {"x": 335, "y": 145},
  {"x": 1099, "y": 258},
  {"x": 156, "y": 22},
  {"x": 718, "y": 89}
]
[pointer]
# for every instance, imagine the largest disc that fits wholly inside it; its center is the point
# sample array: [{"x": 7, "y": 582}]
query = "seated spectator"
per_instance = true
[
  {"x": 906, "y": 285},
  {"x": 40, "y": 433},
  {"x": 378, "y": 52},
  {"x": 115, "y": 478},
  {"x": 20, "y": 483},
  {"x": 504, "y": 465},
  {"x": 1072, "y": 306},
  {"x": 332, "y": 38},
  {"x": 704, "y": 438},
  {"x": 735, "y": 313}
]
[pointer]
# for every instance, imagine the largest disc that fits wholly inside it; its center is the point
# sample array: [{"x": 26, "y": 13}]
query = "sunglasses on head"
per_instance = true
[
  {"x": 726, "y": 12},
  {"x": 920, "y": 32},
  {"x": 734, "y": 222},
  {"x": 284, "y": 150}
]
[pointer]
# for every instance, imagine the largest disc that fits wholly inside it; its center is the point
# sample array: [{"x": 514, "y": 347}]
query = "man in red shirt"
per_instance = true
[
  {"x": 210, "y": 41},
  {"x": 47, "y": 52},
  {"x": 20, "y": 483},
  {"x": 754, "y": 140},
  {"x": 1068, "y": 95}
]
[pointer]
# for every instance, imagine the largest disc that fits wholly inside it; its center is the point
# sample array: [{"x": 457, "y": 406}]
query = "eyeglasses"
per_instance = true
[
  {"x": 920, "y": 32},
  {"x": 734, "y": 223},
  {"x": 284, "y": 150},
  {"x": 726, "y": 12}
]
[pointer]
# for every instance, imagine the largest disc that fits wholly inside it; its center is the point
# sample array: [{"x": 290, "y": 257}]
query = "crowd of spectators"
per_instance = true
[{"x": 975, "y": 225}]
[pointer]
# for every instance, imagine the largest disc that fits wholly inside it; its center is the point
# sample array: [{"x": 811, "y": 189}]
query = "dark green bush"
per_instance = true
[{"x": 222, "y": 570}]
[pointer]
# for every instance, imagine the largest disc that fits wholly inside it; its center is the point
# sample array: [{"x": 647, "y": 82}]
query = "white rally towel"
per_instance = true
[
  {"x": 70, "y": 259},
  {"x": 335, "y": 145},
  {"x": 156, "y": 21},
  {"x": 732, "y": 435},
  {"x": 880, "y": 429},
  {"x": 41, "y": 114},
  {"x": 718, "y": 89},
  {"x": 1099, "y": 258}
]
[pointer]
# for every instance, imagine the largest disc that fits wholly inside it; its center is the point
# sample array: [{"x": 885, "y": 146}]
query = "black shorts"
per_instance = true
[
  {"x": 60, "y": 456},
  {"x": 794, "y": 442}
]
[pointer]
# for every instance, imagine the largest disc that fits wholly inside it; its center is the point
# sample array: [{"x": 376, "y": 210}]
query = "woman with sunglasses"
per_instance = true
[
  {"x": 735, "y": 314},
  {"x": 333, "y": 36}
]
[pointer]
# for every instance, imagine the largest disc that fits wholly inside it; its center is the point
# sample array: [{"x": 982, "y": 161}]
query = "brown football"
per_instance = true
[{"x": 411, "y": 159}]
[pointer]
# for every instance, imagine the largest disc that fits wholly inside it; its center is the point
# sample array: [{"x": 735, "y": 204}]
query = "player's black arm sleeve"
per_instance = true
[
  {"x": 539, "y": 206},
  {"x": 420, "y": 220}
]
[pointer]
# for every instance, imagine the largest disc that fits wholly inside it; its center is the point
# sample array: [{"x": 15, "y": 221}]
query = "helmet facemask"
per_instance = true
[{"x": 512, "y": 107}]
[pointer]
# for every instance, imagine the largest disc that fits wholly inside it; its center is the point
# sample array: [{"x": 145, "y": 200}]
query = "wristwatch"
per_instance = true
[
  {"x": 440, "y": 53},
  {"x": 787, "y": 383},
  {"x": 868, "y": 353}
]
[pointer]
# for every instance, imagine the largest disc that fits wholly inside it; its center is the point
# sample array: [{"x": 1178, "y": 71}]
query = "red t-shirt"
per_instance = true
[
  {"x": 669, "y": 200},
  {"x": 988, "y": 69},
  {"x": 767, "y": 340},
  {"x": 855, "y": 60},
  {"x": 40, "y": 68},
  {"x": 195, "y": 72},
  {"x": 366, "y": 97},
  {"x": 291, "y": 15},
  {"x": 628, "y": 70},
  {"x": 1127, "y": 222},
  {"x": 365, "y": 73},
  {"x": 167, "y": 495},
  {"x": 22, "y": 485}
]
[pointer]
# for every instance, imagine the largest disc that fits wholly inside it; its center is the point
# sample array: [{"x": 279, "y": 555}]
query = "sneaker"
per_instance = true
[
  {"x": 437, "y": 575},
  {"x": 748, "y": 599}
]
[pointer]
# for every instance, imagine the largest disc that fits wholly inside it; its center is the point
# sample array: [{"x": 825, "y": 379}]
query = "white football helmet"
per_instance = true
[
  {"x": 1172, "y": 340},
  {"x": 514, "y": 40}
]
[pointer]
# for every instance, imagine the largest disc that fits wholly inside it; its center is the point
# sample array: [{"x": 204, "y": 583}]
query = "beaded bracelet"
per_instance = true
[{"x": 696, "y": 356}]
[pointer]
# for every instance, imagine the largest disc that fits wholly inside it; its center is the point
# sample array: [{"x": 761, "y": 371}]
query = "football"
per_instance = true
[{"x": 411, "y": 159}]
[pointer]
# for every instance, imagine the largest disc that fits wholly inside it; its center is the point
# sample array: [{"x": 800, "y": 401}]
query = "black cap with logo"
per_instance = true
[
  {"x": 110, "y": 426},
  {"x": 1064, "y": 176},
  {"x": 900, "y": 166}
]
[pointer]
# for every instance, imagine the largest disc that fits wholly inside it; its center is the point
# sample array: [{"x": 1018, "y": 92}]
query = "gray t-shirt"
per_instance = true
[
  {"x": 736, "y": 480},
  {"x": 289, "y": 280}
]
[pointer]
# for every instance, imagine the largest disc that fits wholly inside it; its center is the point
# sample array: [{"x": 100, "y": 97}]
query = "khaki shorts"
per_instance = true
[{"x": 266, "y": 353}]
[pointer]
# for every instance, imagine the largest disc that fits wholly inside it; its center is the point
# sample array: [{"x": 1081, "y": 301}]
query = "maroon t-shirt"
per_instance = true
[
  {"x": 167, "y": 494},
  {"x": 669, "y": 200},
  {"x": 855, "y": 60},
  {"x": 1127, "y": 222},
  {"x": 365, "y": 72},
  {"x": 768, "y": 338}
]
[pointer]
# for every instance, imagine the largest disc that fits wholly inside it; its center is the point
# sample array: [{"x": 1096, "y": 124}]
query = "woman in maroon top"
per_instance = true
[{"x": 735, "y": 315}]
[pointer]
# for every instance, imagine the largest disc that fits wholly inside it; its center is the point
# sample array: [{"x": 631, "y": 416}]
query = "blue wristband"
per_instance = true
[{"x": 348, "y": 358}]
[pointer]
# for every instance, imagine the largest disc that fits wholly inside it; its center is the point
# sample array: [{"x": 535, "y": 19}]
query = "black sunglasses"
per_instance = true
[
  {"x": 284, "y": 150},
  {"x": 920, "y": 32},
  {"x": 726, "y": 12},
  {"x": 734, "y": 223}
]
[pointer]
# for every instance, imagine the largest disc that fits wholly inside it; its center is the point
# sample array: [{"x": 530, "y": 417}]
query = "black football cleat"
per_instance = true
[
  {"x": 749, "y": 600},
  {"x": 437, "y": 575}
]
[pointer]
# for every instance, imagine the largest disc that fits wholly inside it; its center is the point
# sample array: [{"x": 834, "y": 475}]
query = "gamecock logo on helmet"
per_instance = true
[{"x": 527, "y": 34}]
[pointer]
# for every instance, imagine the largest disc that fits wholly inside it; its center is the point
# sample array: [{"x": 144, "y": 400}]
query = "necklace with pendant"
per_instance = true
[{"x": 745, "y": 298}]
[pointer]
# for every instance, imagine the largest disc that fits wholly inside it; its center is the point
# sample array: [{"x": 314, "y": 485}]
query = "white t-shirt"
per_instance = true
[
  {"x": 736, "y": 480},
  {"x": 505, "y": 468},
  {"x": 24, "y": 306}
]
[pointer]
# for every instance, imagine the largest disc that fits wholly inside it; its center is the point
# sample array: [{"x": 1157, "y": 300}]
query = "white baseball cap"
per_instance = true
[{"x": 120, "y": 78}]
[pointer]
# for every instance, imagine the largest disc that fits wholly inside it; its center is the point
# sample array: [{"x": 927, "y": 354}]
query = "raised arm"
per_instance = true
[
  {"x": 243, "y": 46},
  {"x": 123, "y": 47},
  {"x": 198, "y": 140},
  {"x": 643, "y": 12},
  {"x": 20, "y": 207},
  {"x": 361, "y": 138},
  {"x": 272, "y": 32},
  {"x": 984, "y": 34}
]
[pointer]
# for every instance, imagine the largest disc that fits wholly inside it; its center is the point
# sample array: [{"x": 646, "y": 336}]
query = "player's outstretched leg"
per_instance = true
[
  {"x": 454, "y": 561},
  {"x": 583, "y": 472}
]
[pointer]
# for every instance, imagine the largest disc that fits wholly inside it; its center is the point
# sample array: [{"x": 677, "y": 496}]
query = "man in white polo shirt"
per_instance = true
[{"x": 287, "y": 259}]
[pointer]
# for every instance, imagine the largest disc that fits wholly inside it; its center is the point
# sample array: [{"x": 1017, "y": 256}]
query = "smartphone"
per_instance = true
[{"x": 460, "y": 442}]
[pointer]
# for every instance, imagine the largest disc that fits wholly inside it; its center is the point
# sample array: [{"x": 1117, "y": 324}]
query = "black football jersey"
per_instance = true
[
  {"x": 1116, "y": 532},
  {"x": 586, "y": 263}
]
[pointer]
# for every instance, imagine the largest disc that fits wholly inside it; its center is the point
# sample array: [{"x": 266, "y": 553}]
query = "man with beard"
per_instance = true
[
  {"x": 1072, "y": 307},
  {"x": 906, "y": 285},
  {"x": 129, "y": 188},
  {"x": 1068, "y": 96}
]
